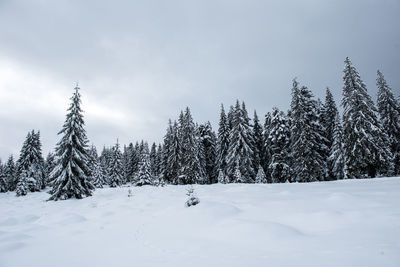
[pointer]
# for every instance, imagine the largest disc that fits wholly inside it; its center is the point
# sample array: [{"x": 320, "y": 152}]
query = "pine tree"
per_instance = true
[
  {"x": 223, "y": 141},
  {"x": 364, "y": 143},
  {"x": 105, "y": 163},
  {"x": 22, "y": 186},
  {"x": 323, "y": 145},
  {"x": 125, "y": 165},
  {"x": 70, "y": 175},
  {"x": 266, "y": 156},
  {"x": 171, "y": 154},
  {"x": 258, "y": 143},
  {"x": 145, "y": 177},
  {"x": 221, "y": 177},
  {"x": 159, "y": 161},
  {"x": 260, "y": 177},
  {"x": 190, "y": 168},
  {"x": 92, "y": 158},
  {"x": 278, "y": 144},
  {"x": 329, "y": 116},
  {"x": 231, "y": 117},
  {"x": 3, "y": 181},
  {"x": 389, "y": 111},
  {"x": 328, "y": 121},
  {"x": 208, "y": 148},
  {"x": 153, "y": 160},
  {"x": 40, "y": 164},
  {"x": 336, "y": 159},
  {"x": 116, "y": 174},
  {"x": 237, "y": 175},
  {"x": 308, "y": 163},
  {"x": 98, "y": 179},
  {"x": 134, "y": 161},
  {"x": 240, "y": 146},
  {"x": 10, "y": 174},
  {"x": 31, "y": 155},
  {"x": 49, "y": 165}
]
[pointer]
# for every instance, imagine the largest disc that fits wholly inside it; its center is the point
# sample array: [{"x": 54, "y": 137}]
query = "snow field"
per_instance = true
[{"x": 341, "y": 223}]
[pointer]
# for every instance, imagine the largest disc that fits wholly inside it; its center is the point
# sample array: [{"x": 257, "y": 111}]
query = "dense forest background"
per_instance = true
[{"x": 309, "y": 142}]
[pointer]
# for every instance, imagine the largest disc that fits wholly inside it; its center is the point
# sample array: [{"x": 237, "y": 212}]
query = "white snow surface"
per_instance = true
[{"x": 341, "y": 223}]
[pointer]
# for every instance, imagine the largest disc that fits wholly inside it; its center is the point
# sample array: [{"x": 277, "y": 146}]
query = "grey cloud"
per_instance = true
[{"x": 149, "y": 59}]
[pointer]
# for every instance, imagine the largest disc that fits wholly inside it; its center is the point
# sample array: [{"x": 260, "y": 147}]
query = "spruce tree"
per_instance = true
[
  {"x": 3, "y": 181},
  {"x": 128, "y": 170},
  {"x": 237, "y": 175},
  {"x": 223, "y": 141},
  {"x": 328, "y": 122},
  {"x": 105, "y": 163},
  {"x": 329, "y": 116},
  {"x": 159, "y": 161},
  {"x": 92, "y": 158},
  {"x": 22, "y": 186},
  {"x": 208, "y": 144},
  {"x": 258, "y": 143},
  {"x": 115, "y": 171},
  {"x": 266, "y": 155},
  {"x": 278, "y": 144},
  {"x": 323, "y": 145},
  {"x": 153, "y": 160},
  {"x": 365, "y": 144},
  {"x": 125, "y": 165},
  {"x": 389, "y": 111},
  {"x": 336, "y": 159},
  {"x": 40, "y": 164},
  {"x": 71, "y": 172},
  {"x": 171, "y": 154},
  {"x": 31, "y": 156},
  {"x": 260, "y": 177},
  {"x": 240, "y": 146},
  {"x": 190, "y": 170},
  {"x": 134, "y": 161},
  {"x": 308, "y": 163},
  {"x": 10, "y": 174},
  {"x": 98, "y": 179},
  {"x": 49, "y": 167},
  {"x": 221, "y": 177},
  {"x": 145, "y": 177}
]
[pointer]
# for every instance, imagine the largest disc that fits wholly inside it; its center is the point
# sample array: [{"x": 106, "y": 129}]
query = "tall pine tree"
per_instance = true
[
  {"x": 365, "y": 144},
  {"x": 208, "y": 142},
  {"x": 336, "y": 159},
  {"x": 328, "y": 121},
  {"x": 258, "y": 143},
  {"x": 191, "y": 170},
  {"x": 223, "y": 141},
  {"x": 116, "y": 171},
  {"x": 278, "y": 144},
  {"x": 308, "y": 163},
  {"x": 240, "y": 153},
  {"x": 389, "y": 111},
  {"x": 71, "y": 172}
]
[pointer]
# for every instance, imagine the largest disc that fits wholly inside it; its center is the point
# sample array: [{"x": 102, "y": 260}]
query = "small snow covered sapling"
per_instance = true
[
  {"x": 130, "y": 193},
  {"x": 192, "y": 200},
  {"x": 22, "y": 186}
]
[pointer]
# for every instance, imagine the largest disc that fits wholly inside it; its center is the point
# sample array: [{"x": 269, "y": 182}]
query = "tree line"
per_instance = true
[{"x": 309, "y": 142}]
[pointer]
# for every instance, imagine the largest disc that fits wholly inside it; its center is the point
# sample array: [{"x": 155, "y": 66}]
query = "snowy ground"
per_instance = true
[{"x": 343, "y": 223}]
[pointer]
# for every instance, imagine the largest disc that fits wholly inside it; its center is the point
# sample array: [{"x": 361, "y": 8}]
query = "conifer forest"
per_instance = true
[
  {"x": 212, "y": 133},
  {"x": 312, "y": 141}
]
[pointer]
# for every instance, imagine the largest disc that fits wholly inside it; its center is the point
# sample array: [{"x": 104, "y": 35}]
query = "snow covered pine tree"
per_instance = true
[
  {"x": 365, "y": 144},
  {"x": 389, "y": 111},
  {"x": 70, "y": 175}
]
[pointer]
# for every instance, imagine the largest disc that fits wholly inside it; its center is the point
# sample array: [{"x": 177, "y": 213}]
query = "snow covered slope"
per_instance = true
[{"x": 342, "y": 223}]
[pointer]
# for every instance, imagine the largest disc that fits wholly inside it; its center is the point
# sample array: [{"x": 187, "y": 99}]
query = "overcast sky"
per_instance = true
[{"x": 139, "y": 63}]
